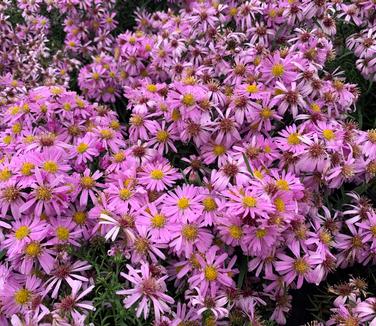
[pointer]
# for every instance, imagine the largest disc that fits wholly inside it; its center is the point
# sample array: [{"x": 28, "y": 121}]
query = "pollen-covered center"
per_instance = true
[
  {"x": 183, "y": 203},
  {"x": 278, "y": 70},
  {"x": 44, "y": 193},
  {"x": 158, "y": 221},
  {"x": 62, "y": 233},
  {"x": 293, "y": 139},
  {"x": 249, "y": 201},
  {"x": 211, "y": 273},
  {"x": 22, "y": 232},
  {"x": 209, "y": 204},
  {"x": 157, "y": 174},
  {"x": 190, "y": 232},
  {"x": 235, "y": 231},
  {"x": 188, "y": 99},
  {"x": 33, "y": 249},
  {"x": 22, "y": 296},
  {"x": 300, "y": 266}
]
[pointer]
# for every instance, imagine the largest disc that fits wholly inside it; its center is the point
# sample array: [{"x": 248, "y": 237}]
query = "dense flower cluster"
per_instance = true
[
  {"x": 50, "y": 141},
  {"x": 216, "y": 189},
  {"x": 362, "y": 43}
]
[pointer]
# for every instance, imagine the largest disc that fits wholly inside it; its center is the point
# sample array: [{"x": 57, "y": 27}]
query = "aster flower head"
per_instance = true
[{"x": 148, "y": 290}]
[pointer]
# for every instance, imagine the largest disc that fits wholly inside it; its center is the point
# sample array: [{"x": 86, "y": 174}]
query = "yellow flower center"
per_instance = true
[
  {"x": 261, "y": 233},
  {"x": 119, "y": 157},
  {"x": 62, "y": 233},
  {"x": 235, "y": 231},
  {"x": 373, "y": 230},
  {"x": 79, "y": 217},
  {"x": 252, "y": 88},
  {"x": 301, "y": 266},
  {"x": 278, "y": 70},
  {"x": 106, "y": 134},
  {"x": 152, "y": 88},
  {"x": 157, "y": 174},
  {"x": 266, "y": 113},
  {"x": 7, "y": 140},
  {"x": 176, "y": 115},
  {"x": 17, "y": 128},
  {"x": 115, "y": 124},
  {"x": 279, "y": 205},
  {"x": 22, "y": 232},
  {"x": 158, "y": 221},
  {"x": 162, "y": 136},
  {"x": 67, "y": 106},
  {"x": 5, "y": 174},
  {"x": 125, "y": 194},
  {"x": 211, "y": 273},
  {"x": 188, "y": 99},
  {"x": 43, "y": 193},
  {"x": 293, "y": 139},
  {"x": 190, "y": 232},
  {"x": 249, "y": 201},
  {"x": 233, "y": 11},
  {"x": 33, "y": 249},
  {"x": 22, "y": 296},
  {"x": 87, "y": 182},
  {"x": 282, "y": 184},
  {"x": 209, "y": 204},
  {"x": 50, "y": 166},
  {"x": 183, "y": 203},
  {"x": 328, "y": 134},
  {"x": 82, "y": 148},
  {"x": 26, "y": 168},
  {"x": 258, "y": 174},
  {"x": 325, "y": 237},
  {"x": 137, "y": 120},
  {"x": 315, "y": 107},
  {"x": 219, "y": 150}
]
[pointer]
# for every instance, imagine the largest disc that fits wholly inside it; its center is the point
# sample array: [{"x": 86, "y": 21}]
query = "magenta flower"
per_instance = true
[
  {"x": 213, "y": 275},
  {"x": 47, "y": 196},
  {"x": 24, "y": 231},
  {"x": 297, "y": 268},
  {"x": 148, "y": 289},
  {"x": 158, "y": 176}
]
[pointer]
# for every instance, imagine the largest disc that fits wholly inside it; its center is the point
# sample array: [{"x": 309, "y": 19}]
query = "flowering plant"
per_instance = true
[{"x": 202, "y": 168}]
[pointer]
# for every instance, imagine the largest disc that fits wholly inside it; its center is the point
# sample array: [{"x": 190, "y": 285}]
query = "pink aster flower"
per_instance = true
[
  {"x": 213, "y": 274},
  {"x": 88, "y": 186},
  {"x": 16, "y": 297},
  {"x": 34, "y": 253},
  {"x": 189, "y": 236},
  {"x": 248, "y": 201},
  {"x": 297, "y": 268},
  {"x": 214, "y": 304},
  {"x": 23, "y": 231},
  {"x": 184, "y": 204},
  {"x": 64, "y": 231},
  {"x": 366, "y": 310},
  {"x": 148, "y": 290},
  {"x": 71, "y": 304},
  {"x": 292, "y": 98},
  {"x": 158, "y": 224},
  {"x": 46, "y": 196},
  {"x": 12, "y": 198},
  {"x": 276, "y": 68},
  {"x": 68, "y": 272},
  {"x": 158, "y": 176}
]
